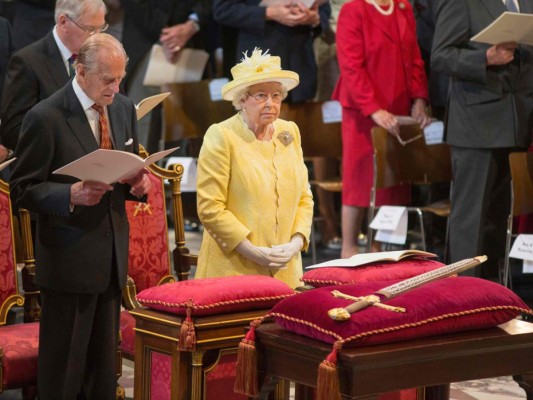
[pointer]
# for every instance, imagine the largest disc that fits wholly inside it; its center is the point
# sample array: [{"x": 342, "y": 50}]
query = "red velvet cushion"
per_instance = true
[
  {"x": 127, "y": 333},
  {"x": 448, "y": 305},
  {"x": 379, "y": 271},
  {"x": 19, "y": 344},
  {"x": 216, "y": 295}
]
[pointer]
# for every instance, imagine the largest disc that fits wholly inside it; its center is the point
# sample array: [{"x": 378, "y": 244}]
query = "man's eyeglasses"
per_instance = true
[
  {"x": 90, "y": 30},
  {"x": 261, "y": 97}
]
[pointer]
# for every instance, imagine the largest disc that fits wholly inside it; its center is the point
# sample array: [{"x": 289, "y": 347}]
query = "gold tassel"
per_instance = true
[
  {"x": 246, "y": 379},
  {"x": 187, "y": 339},
  {"x": 327, "y": 386}
]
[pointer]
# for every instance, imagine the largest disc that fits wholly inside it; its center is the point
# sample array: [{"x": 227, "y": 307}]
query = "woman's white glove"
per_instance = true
[
  {"x": 290, "y": 249},
  {"x": 264, "y": 256}
]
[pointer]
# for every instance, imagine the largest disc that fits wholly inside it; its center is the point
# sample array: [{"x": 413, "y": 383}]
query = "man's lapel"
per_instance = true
[{"x": 77, "y": 120}]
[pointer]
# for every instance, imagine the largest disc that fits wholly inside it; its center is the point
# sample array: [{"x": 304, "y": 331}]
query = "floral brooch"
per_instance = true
[{"x": 285, "y": 137}]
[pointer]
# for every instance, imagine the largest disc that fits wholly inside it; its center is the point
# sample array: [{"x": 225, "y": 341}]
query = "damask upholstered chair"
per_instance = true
[
  {"x": 150, "y": 251},
  {"x": 18, "y": 342}
]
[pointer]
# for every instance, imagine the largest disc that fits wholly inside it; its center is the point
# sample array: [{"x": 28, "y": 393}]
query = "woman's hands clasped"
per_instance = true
[{"x": 275, "y": 257}]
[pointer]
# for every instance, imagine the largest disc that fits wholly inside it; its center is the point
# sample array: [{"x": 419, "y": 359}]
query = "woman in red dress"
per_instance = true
[{"x": 382, "y": 75}]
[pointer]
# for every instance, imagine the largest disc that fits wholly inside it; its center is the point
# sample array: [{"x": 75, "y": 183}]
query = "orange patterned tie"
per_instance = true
[{"x": 105, "y": 140}]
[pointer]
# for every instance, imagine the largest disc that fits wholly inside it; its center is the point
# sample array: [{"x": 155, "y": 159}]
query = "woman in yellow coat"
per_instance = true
[{"x": 254, "y": 198}]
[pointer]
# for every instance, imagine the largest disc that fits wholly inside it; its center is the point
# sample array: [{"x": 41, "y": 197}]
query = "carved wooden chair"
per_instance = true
[
  {"x": 150, "y": 251},
  {"x": 18, "y": 342},
  {"x": 412, "y": 162}
]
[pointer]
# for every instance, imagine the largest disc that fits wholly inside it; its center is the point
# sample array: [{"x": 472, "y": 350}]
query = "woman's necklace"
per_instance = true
[{"x": 380, "y": 10}]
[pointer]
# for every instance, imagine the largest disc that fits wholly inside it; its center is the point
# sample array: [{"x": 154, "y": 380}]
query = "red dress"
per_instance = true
[{"x": 381, "y": 68}]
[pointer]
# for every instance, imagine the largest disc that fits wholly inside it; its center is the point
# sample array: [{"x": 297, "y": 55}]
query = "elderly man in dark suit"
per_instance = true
[
  {"x": 82, "y": 228},
  {"x": 490, "y": 110},
  {"x": 40, "y": 69}
]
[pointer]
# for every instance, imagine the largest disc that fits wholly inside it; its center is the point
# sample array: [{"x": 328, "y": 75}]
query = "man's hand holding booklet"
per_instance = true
[{"x": 109, "y": 166}]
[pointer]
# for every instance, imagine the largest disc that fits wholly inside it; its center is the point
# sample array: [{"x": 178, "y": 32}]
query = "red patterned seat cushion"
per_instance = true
[
  {"x": 444, "y": 306},
  {"x": 19, "y": 344},
  {"x": 379, "y": 271},
  {"x": 127, "y": 326},
  {"x": 149, "y": 259},
  {"x": 216, "y": 295}
]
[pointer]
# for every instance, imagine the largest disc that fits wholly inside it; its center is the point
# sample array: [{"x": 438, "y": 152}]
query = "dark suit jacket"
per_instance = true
[
  {"x": 293, "y": 44},
  {"x": 144, "y": 20},
  {"x": 488, "y": 107},
  {"x": 34, "y": 73},
  {"x": 74, "y": 251},
  {"x": 6, "y": 48},
  {"x": 425, "y": 13}
]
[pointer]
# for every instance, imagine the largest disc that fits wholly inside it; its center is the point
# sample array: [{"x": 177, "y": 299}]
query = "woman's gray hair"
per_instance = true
[
  {"x": 240, "y": 95},
  {"x": 76, "y": 8},
  {"x": 88, "y": 55}
]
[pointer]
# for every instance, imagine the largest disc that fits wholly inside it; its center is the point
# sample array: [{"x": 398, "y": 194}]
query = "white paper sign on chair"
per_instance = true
[
  {"x": 188, "y": 181},
  {"x": 391, "y": 224},
  {"x": 523, "y": 250}
]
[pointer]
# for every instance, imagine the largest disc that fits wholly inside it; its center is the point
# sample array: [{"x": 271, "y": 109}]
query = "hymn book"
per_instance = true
[
  {"x": 109, "y": 166},
  {"x": 508, "y": 27},
  {"x": 367, "y": 258},
  {"x": 146, "y": 105},
  {"x": 189, "y": 67}
]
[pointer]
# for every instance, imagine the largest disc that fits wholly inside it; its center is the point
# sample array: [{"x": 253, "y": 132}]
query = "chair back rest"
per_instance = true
[
  {"x": 189, "y": 110},
  {"x": 149, "y": 256},
  {"x": 521, "y": 165},
  {"x": 319, "y": 139},
  {"x": 9, "y": 289},
  {"x": 414, "y": 162}
]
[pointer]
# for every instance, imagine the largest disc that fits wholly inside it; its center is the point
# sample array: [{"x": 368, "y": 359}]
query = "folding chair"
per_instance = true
[
  {"x": 521, "y": 165},
  {"x": 409, "y": 160}
]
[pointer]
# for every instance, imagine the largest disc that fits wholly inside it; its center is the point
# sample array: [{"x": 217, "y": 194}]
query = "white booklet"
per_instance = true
[
  {"x": 189, "y": 67},
  {"x": 6, "y": 163},
  {"x": 367, "y": 258},
  {"x": 109, "y": 166},
  {"x": 146, "y": 105},
  {"x": 508, "y": 27}
]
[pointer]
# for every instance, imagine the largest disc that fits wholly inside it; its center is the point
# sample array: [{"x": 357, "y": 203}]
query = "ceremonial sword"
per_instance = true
[{"x": 344, "y": 313}]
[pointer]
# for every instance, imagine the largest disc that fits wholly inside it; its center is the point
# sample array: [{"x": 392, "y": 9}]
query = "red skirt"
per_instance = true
[{"x": 358, "y": 167}]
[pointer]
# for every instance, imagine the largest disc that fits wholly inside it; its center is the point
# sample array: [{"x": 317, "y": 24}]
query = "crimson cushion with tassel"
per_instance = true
[
  {"x": 378, "y": 271},
  {"x": 448, "y": 305},
  {"x": 209, "y": 296}
]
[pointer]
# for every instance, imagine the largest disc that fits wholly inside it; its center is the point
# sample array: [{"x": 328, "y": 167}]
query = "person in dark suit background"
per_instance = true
[
  {"x": 490, "y": 110},
  {"x": 6, "y": 48},
  {"x": 175, "y": 25},
  {"x": 82, "y": 227},
  {"x": 32, "y": 20},
  {"x": 40, "y": 69},
  {"x": 285, "y": 30}
]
